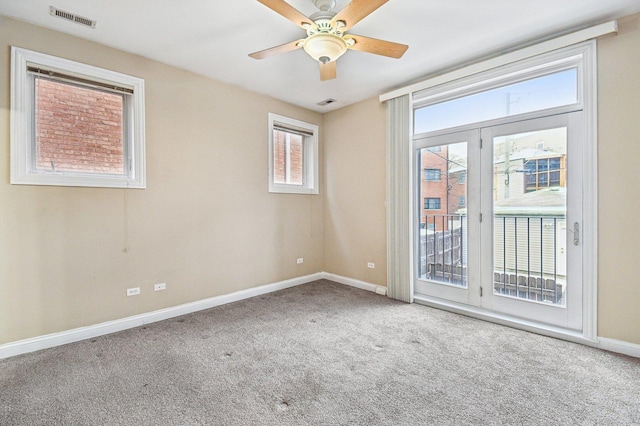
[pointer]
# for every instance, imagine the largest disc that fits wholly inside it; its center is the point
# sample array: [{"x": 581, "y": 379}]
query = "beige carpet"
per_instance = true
[{"x": 325, "y": 354}]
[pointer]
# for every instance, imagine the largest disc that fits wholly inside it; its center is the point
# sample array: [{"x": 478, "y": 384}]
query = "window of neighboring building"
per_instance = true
[
  {"x": 461, "y": 201},
  {"x": 432, "y": 174},
  {"x": 432, "y": 203},
  {"x": 544, "y": 173},
  {"x": 75, "y": 125},
  {"x": 293, "y": 156}
]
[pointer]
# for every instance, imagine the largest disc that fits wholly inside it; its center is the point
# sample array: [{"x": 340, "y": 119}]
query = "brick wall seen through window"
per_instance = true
[
  {"x": 287, "y": 158},
  {"x": 78, "y": 129}
]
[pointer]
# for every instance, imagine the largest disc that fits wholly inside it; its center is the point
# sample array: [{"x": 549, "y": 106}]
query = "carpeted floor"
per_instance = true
[{"x": 320, "y": 353}]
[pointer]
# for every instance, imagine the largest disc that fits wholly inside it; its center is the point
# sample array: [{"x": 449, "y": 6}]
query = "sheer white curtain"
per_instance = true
[{"x": 399, "y": 199}]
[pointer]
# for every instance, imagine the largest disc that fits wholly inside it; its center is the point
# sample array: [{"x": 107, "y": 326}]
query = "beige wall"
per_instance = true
[
  {"x": 208, "y": 227},
  {"x": 618, "y": 187},
  {"x": 354, "y": 169},
  {"x": 206, "y": 224},
  {"x": 355, "y": 182}
]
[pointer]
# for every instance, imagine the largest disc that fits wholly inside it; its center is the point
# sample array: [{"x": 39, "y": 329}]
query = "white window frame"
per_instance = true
[
  {"x": 583, "y": 57},
  {"x": 309, "y": 155},
  {"x": 22, "y": 123}
]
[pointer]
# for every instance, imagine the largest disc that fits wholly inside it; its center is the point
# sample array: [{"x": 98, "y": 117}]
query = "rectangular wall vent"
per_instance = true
[
  {"x": 326, "y": 102},
  {"x": 53, "y": 11}
]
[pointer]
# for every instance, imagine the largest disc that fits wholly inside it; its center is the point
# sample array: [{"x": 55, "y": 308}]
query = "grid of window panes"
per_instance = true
[
  {"x": 432, "y": 174},
  {"x": 432, "y": 203},
  {"x": 543, "y": 173}
]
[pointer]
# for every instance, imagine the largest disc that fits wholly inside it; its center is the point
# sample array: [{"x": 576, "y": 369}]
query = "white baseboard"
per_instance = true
[
  {"x": 62, "y": 338},
  {"x": 619, "y": 346},
  {"x": 69, "y": 336},
  {"x": 611, "y": 345},
  {"x": 355, "y": 283}
]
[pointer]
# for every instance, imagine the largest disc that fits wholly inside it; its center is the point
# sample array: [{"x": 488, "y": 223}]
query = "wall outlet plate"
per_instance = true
[
  {"x": 300, "y": 260},
  {"x": 159, "y": 286},
  {"x": 133, "y": 291},
  {"x": 371, "y": 265}
]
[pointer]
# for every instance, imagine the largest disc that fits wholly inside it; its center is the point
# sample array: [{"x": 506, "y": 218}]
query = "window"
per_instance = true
[
  {"x": 293, "y": 156},
  {"x": 432, "y": 174},
  {"x": 75, "y": 125},
  {"x": 551, "y": 90},
  {"x": 544, "y": 173},
  {"x": 461, "y": 199},
  {"x": 432, "y": 203}
]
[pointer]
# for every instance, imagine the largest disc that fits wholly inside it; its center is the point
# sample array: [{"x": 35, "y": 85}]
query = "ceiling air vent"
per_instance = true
[
  {"x": 53, "y": 11},
  {"x": 326, "y": 102}
]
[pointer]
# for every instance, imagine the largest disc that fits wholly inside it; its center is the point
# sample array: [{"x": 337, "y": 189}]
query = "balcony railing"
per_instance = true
[
  {"x": 528, "y": 255},
  {"x": 443, "y": 249}
]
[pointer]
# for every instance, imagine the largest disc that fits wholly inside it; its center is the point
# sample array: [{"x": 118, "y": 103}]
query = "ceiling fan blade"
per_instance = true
[
  {"x": 377, "y": 47},
  {"x": 328, "y": 70},
  {"x": 283, "y": 48},
  {"x": 288, "y": 11},
  {"x": 355, "y": 11}
]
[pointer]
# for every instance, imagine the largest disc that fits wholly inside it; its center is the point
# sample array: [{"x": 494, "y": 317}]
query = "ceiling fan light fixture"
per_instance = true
[{"x": 325, "y": 47}]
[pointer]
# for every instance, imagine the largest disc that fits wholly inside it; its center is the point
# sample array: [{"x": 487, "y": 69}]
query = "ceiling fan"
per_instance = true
[{"x": 326, "y": 40}]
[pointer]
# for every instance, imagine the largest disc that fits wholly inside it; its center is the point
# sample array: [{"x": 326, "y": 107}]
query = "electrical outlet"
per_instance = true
[
  {"x": 160, "y": 287},
  {"x": 371, "y": 265},
  {"x": 300, "y": 260},
  {"x": 133, "y": 291}
]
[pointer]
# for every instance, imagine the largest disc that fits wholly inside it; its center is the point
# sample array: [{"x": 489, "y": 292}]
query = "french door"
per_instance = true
[{"x": 499, "y": 219}]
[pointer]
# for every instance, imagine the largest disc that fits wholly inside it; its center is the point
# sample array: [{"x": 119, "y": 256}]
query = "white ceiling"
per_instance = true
[{"x": 214, "y": 37}]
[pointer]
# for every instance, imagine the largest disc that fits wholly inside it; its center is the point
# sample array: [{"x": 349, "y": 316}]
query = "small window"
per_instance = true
[
  {"x": 432, "y": 203},
  {"x": 432, "y": 174},
  {"x": 461, "y": 201},
  {"x": 75, "y": 125},
  {"x": 293, "y": 156}
]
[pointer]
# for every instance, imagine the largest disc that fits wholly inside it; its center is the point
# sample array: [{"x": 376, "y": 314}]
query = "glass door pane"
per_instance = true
[
  {"x": 531, "y": 262},
  {"x": 443, "y": 214},
  {"x": 529, "y": 215},
  {"x": 447, "y": 195}
]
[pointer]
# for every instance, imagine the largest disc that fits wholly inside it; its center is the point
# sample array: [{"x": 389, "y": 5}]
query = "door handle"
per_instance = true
[{"x": 576, "y": 233}]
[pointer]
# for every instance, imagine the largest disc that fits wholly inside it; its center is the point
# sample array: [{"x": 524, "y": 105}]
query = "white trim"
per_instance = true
[
  {"x": 518, "y": 55},
  {"x": 590, "y": 197},
  {"x": 74, "y": 335},
  {"x": 82, "y": 333},
  {"x": 505, "y": 319},
  {"x": 612, "y": 345},
  {"x": 355, "y": 283},
  {"x": 62, "y": 338},
  {"x": 22, "y": 121},
  {"x": 619, "y": 346}
]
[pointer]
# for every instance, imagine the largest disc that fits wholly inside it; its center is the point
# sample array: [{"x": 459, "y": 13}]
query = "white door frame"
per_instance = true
[{"x": 569, "y": 317}]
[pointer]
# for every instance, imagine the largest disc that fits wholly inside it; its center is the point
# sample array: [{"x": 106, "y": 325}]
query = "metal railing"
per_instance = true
[
  {"x": 528, "y": 262},
  {"x": 442, "y": 249},
  {"x": 528, "y": 255}
]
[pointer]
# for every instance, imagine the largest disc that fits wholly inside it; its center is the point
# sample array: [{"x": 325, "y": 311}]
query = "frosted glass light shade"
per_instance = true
[{"x": 325, "y": 47}]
